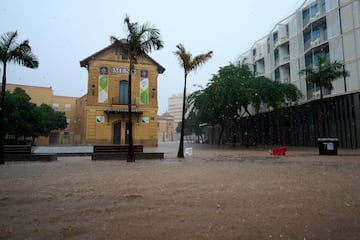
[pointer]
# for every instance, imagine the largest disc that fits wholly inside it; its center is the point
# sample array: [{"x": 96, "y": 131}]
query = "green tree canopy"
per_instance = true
[
  {"x": 11, "y": 51},
  {"x": 19, "y": 113},
  {"x": 234, "y": 91},
  {"x": 322, "y": 74},
  {"x": 25, "y": 119}
]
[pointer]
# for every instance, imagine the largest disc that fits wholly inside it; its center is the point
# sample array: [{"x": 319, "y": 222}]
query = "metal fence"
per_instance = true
[{"x": 299, "y": 125}]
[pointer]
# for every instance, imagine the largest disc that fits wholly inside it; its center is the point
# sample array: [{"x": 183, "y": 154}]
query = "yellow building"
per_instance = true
[
  {"x": 40, "y": 95},
  {"x": 166, "y": 127},
  {"x": 103, "y": 113}
]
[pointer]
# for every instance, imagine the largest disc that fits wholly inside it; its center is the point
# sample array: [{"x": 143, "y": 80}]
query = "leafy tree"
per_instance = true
[
  {"x": 25, "y": 119},
  {"x": 141, "y": 39},
  {"x": 233, "y": 90},
  {"x": 11, "y": 51},
  {"x": 322, "y": 74},
  {"x": 49, "y": 120},
  {"x": 19, "y": 114},
  {"x": 192, "y": 119},
  {"x": 188, "y": 63}
]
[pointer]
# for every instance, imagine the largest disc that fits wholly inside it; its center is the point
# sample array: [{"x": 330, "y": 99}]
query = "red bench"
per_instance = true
[{"x": 280, "y": 151}]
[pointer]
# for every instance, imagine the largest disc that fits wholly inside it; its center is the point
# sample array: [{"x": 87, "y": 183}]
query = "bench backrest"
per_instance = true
[
  {"x": 17, "y": 149},
  {"x": 116, "y": 148}
]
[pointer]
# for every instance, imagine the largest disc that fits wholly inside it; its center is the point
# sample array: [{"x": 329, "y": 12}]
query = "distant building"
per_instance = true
[
  {"x": 165, "y": 127},
  {"x": 40, "y": 95},
  {"x": 175, "y": 103},
  {"x": 327, "y": 27}
]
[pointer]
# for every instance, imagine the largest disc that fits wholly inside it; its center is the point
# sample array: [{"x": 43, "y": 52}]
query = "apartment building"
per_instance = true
[
  {"x": 175, "y": 103},
  {"x": 327, "y": 27}
]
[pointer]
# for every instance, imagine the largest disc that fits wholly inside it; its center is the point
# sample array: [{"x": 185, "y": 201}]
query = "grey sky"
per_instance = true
[{"x": 64, "y": 32}]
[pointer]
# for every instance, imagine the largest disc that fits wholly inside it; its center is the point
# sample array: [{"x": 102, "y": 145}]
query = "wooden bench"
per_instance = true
[
  {"x": 116, "y": 148},
  {"x": 17, "y": 149}
]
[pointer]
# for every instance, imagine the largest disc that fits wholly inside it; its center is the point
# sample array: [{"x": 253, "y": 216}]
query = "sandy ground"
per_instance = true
[{"x": 217, "y": 193}]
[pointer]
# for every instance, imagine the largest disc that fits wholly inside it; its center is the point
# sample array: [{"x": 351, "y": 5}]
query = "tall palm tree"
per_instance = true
[
  {"x": 141, "y": 39},
  {"x": 189, "y": 64},
  {"x": 11, "y": 51},
  {"x": 322, "y": 74}
]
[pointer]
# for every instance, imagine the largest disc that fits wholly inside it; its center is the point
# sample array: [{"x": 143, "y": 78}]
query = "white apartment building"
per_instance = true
[
  {"x": 175, "y": 102},
  {"x": 327, "y": 27}
]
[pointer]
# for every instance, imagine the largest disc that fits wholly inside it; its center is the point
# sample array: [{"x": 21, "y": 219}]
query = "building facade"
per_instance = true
[
  {"x": 103, "y": 113},
  {"x": 166, "y": 127},
  {"x": 330, "y": 28},
  {"x": 175, "y": 102},
  {"x": 45, "y": 95}
]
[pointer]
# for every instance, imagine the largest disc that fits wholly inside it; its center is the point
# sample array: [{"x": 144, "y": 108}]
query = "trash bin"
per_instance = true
[{"x": 328, "y": 146}]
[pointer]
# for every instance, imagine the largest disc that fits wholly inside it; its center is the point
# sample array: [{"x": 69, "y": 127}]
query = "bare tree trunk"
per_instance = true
[
  {"x": 181, "y": 145},
  {"x": 2, "y": 108},
  {"x": 130, "y": 156}
]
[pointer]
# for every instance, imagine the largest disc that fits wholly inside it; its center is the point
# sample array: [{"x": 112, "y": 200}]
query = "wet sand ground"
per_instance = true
[{"x": 217, "y": 193}]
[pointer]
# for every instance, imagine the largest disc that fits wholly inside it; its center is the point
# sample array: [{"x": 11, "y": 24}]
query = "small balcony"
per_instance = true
[{"x": 123, "y": 102}]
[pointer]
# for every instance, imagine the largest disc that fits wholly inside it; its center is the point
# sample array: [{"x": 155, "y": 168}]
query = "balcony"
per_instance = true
[
  {"x": 285, "y": 60},
  {"x": 123, "y": 102}
]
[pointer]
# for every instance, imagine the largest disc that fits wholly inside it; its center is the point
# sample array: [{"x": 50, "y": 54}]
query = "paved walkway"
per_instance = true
[
  {"x": 171, "y": 148},
  {"x": 167, "y": 147}
]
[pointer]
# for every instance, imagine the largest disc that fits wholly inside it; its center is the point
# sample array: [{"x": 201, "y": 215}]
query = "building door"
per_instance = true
[{"x": 117, "y": 133}]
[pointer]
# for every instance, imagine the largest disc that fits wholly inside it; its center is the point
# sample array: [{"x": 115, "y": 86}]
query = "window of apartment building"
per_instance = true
[
  {"x": 287, "y": 30},
  {"x": 268, "y": 45},
  {"x": 323, "y": 29},
  {"x": 313, "y": 11},
  {"x": 55, "y": 106},
  {"x": 312, "y": 57},
  {"x": 276, "y": 56},
  {"x": 323, "y": 7},
  {"x": 254, "y": 52},
  {"x": 277, "y": 74},
  {"x": 306, "y": 16},
  {"x": 67, "y": 107},
  {"x": 275, "y": 37},
  {"x": 315, "y": 34},
  {"x": 123, "y": 92}
]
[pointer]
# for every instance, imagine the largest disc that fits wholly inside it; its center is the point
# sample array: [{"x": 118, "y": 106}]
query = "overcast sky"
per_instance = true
[{"x": 64, "y": 32}]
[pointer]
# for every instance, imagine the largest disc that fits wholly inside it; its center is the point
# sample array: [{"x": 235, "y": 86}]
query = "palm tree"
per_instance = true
[
  {"x": 188, "y": 63},
  {"x": 322, "y": 74},
  {"x": 141, "y": 39},
  {"x": 11, "y": 51}
]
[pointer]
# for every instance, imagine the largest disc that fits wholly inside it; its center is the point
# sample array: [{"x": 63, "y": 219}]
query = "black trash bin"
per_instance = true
[{"x": 328, "y": 146}]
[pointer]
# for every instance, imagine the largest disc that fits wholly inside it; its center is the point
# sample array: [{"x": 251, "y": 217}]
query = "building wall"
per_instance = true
[
  {"x": 44, "y": 95},
  {"x": 175, "y": 107},
  {"x": 166, "y": 127},
  {"x": 104, "y": 115},
  {"x": 318, "y": 26}
]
